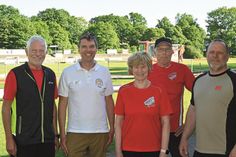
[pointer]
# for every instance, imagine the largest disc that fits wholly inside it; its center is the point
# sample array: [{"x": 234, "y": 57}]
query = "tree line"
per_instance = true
[{"x": 59, "y": 28}]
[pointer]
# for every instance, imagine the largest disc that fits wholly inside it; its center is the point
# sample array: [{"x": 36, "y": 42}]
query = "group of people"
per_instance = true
[{"x": 147, "y": 119}]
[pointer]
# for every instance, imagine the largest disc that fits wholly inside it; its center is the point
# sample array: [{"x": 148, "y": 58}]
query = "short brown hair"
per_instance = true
[
  {"x": 90, "y": 37},
  {"x": 137, "y": 59}
]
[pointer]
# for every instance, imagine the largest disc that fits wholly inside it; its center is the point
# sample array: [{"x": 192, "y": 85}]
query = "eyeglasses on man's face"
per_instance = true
[{"x": 161, "y": 50}]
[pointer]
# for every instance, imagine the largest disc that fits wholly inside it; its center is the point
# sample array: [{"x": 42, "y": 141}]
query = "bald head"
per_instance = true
[{"x": 217, "y": 56}]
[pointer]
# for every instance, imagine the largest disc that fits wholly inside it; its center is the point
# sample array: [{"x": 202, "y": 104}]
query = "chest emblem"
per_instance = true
[
  {"x": 99, "y": 82},
  {"x": 218, "y": 88},
  {"x": 150, "y": 102},
  {"x": 172, "y": 75}
]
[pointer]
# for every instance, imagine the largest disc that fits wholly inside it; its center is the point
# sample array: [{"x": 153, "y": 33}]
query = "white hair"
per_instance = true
[{"x": 36, "y": 38}]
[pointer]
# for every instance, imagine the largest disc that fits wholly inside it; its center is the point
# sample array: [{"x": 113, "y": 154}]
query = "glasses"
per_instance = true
[{"x": 164, "y": 50}]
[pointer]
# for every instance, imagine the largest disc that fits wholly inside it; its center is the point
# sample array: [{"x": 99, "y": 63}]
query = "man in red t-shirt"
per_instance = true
[{"x": 174, "y": 77}]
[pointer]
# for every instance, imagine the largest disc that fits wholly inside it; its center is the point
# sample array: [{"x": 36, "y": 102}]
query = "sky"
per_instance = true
[{"x": 152, "y": 10}]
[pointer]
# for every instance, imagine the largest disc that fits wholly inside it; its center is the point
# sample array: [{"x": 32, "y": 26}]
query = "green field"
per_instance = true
[{"x": 116, "y": 68}]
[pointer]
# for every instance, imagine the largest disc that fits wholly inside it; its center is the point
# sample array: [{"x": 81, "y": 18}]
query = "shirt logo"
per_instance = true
[
  {"x": 50, "y": 82},
  {"x": 150, "y": 102},
  {"x": 172, "y": 76},
  {"x": 99, "y": 82},
  {"x": 218, "y": 88}
]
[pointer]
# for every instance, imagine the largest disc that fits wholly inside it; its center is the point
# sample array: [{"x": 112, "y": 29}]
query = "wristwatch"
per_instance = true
[{"x": 166, "y": 151}]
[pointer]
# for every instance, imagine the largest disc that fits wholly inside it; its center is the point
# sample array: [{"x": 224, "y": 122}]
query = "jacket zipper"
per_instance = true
[
  {"x": 19, "y": 125},
  {"x": 42, "y": 104}
]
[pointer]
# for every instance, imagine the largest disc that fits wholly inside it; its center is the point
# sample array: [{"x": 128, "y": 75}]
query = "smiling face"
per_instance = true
[
  {"x": 217, "y": 57},
  {"x": 140, "y": 72},
  {"x": 36, "y": 54},
  {"x": 87, "y": 50}
]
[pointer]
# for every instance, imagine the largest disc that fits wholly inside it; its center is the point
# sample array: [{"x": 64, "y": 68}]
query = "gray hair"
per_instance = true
[
  {"x": 222, "y": 42},
  {"x": 36, "y": 38}
]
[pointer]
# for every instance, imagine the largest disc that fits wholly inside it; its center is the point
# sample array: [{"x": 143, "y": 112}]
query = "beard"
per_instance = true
[{"x": 217, "y": 67}]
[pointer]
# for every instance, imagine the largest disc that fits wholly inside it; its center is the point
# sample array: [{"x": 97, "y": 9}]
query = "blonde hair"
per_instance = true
[{"x": 137, "y": 59}]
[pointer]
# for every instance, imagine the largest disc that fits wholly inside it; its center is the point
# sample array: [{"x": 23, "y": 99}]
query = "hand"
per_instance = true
[
  {"x": 57, "y": 145},
  {"x": 163, "y": 154},
  {"x": 11, "y": 146},
  {"x": 183, "y": 148},
  {"x": 119, "y": 154},
  {"x": 233, "y": 152},
  {"x": 110, "y": 137},
  {"x": 63, "y": 145},
  {"x": 179, "y": 131}
]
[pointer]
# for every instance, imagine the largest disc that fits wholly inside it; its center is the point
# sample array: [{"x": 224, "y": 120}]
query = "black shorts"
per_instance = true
[
  {"x": 36, "y": 150},
  {"x": 140, "y": 154}
]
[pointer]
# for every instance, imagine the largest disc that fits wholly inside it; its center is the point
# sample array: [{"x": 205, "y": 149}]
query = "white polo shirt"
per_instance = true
[{"x": 86, "y": 91}]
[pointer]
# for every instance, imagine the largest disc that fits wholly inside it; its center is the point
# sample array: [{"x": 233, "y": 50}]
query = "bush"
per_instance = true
[
  {"x": 192, "y": 52},
  {"x": 133, "y": 49}
]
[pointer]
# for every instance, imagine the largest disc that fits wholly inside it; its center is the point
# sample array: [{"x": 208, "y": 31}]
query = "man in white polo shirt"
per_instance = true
[{"x": 86, "y": 89}]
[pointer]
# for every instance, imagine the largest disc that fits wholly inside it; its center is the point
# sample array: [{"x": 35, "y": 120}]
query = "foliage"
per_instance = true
[
  {"x": 192, "y": 52},
  {"x": 106, "y": 35},
  {"x": 222, "y": 25},
  {"x": 121, "y": 25},
  {"x": 59, "y": 36},
  {"x": 71, "y": 27},
  {"x": 193, "y": 33},
  {"x": 133, "y": 49},
  {"x": 170, "y": 30},
  {"x": 151, "y": 34},
  {"x": 15, "y": 29}
]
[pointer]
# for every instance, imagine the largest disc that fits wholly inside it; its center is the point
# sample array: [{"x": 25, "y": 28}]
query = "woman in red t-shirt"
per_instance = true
[{"x": 142, "y": 111}]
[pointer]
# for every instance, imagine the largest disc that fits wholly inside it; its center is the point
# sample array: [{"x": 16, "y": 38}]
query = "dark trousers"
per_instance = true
[
  {"x": 140, "y": 154},
  {"x": 36, "y": 150},
  {"x": 198, "y": 154},
  {"x": 174, "y": 145}
]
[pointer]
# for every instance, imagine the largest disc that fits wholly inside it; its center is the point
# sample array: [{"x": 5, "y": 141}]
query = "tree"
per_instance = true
[
  {"x": 139, "y": 24},
  {"x": 15, "y": 29},
  {"x": 73, "y": 25},
  {"x": 121, "y": 25},
  {"x": 137, "y": 19},
  {"x": 193, "y": 33},
  {"x": 170, "y": 30},
  {"x": 41, "y": 28},
  {"x": 222, "y": 24},
  {"x": 106, "y": 35},
  {"x": 151, "y": 34},
  {"x": 59, "y": 36},
  {"x": 77, "y": 25}
]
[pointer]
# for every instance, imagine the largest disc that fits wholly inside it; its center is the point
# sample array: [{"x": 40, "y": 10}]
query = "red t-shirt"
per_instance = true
[
  {"x": 142, "y": 110},
  {"x": 10, "y": 87},
  {"x": 174, "y": 78}
]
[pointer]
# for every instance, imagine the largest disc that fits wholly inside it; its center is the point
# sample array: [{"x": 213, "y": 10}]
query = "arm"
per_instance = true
[
  {"x": 233, "y": 152},
  {"x": 6, "y": 118},
  {"x": 165, "y": 122},
  {"x": 110, "y": 116},
  {"x": 118, "y": 125},
  {"x": 188, "y": 130},
  {"x": 63, "y": 102}
]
